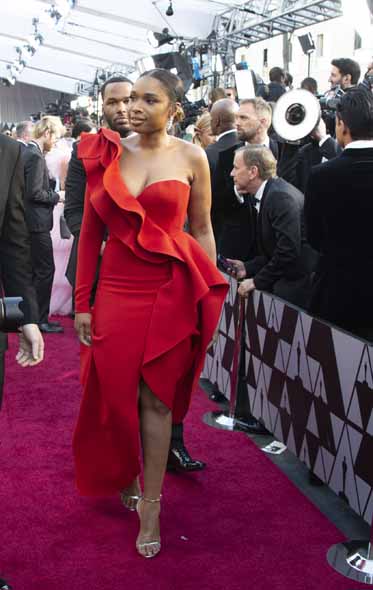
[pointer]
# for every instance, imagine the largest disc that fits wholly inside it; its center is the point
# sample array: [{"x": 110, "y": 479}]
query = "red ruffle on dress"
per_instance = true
[{"x": 158, "y": 301}]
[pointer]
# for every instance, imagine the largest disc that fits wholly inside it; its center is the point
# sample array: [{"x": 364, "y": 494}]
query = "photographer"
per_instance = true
[
  {"x": 338, "y": 214},
  {"x": 345, "y": 73}
]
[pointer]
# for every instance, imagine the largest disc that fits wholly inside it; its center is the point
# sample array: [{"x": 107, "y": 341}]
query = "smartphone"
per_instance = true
[{"x": 224, "y": 264}]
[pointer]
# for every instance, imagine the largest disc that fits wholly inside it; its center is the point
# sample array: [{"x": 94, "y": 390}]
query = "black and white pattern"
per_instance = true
[{"x": 311, "y": 385}]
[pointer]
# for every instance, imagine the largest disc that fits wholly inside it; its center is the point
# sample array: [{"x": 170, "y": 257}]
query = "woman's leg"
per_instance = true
[{"x": 155, "y": 424}]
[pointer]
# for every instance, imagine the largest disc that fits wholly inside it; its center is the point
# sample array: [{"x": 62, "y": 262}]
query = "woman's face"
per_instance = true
[
  {"x": 149, "y": 108},
  {"x": 206, "y": 137}
]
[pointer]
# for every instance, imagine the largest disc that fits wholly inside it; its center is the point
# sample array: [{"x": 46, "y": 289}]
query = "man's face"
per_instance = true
[
  {"x": 115, "y": 107},
  {"x": 336, "y": 78},
  {"x": 242, "y": 176},
  {"x": 230, "y": 93},
  {"x": 248, "y": 122}
]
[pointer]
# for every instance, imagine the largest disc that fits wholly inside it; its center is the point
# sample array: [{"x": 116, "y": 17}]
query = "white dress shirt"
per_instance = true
[
  {"x": 361, "y": 144},
  {"x": 225, "y": 133}
]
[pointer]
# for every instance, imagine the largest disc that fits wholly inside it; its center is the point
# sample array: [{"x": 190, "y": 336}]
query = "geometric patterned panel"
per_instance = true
[
  {"x": 310, "y": 384},
  {"x": 314, "y": 391},
  {"x": 219, "y": 358}
]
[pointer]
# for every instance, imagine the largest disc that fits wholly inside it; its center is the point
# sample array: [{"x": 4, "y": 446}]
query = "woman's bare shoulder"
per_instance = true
[{"x": 193, "y": 152}]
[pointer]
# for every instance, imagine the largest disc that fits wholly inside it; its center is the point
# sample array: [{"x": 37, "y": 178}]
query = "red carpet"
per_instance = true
[{"x": 238, "y": 525}]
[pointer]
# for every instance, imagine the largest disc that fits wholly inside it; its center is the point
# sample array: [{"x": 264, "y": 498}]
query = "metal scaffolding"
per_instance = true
[{"x": 258, "y": 20}]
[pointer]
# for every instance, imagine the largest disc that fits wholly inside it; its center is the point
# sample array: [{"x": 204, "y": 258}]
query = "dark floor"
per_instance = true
[{"x": 335, "y": 509}]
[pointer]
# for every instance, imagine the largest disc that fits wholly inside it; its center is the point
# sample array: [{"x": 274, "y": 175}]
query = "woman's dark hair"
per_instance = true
[
  {"x": 172, "y": 84},
  {"x": 348, "y": 66},
  {"x": 356, "y": 111},
  {"x": 81, "y": 126}
]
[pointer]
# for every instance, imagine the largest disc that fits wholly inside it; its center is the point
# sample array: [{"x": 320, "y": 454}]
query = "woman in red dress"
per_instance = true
[{"x": 158, "y": 299}]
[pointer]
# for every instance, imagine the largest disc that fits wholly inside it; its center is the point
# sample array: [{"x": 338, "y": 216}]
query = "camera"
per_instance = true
[
  {"x": 330, "y": 102},
  {"x": 11, "y": 314}
]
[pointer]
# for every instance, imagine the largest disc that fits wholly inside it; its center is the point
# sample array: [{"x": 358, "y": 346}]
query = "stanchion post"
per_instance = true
[
  {"x": 227, "y": 420},
  {"x": 353, "y": 559}
]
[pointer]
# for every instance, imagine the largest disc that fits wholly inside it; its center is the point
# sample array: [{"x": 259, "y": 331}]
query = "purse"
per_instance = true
[{"x": 65, "y": 233}]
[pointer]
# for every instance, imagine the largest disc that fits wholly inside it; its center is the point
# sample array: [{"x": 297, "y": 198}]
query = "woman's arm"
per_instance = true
[{"x": 200, "y": 203}]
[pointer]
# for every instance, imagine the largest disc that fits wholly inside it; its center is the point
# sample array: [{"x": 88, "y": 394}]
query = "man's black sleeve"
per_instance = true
[
  {"x": 15, "y": 253},
  {"x": 75, "y": 186},
  {"x": 34, "y": 182},
  {"x": 313, "y": 210}
]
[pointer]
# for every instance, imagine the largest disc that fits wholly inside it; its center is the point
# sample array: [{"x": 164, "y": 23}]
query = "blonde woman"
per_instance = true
[{"x": 202, "y": 131}]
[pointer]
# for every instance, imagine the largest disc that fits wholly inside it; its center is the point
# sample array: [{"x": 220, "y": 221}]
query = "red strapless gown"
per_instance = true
[{"x": 158, "y": 302}]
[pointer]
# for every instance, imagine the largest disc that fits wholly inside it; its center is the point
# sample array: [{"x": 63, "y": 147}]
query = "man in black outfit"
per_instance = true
[
  {"x": 116, "y": 95},
  {"x": 276, "y": 86},
  {"x": 223, "y": 126},
  {"x": 40, "y": 200},
  {"x": 237, "y": 226},
  {"x": 338, "y": 215},
  {"x": 345, "y": 72},
  {"x": 15, "y": 261},
  {"x": 320, "y": 148},
  {"x": 285, "y": 261}
]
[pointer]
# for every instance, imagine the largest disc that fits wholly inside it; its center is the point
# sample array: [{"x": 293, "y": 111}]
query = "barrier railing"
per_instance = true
[{"x": 311, "y": 386}]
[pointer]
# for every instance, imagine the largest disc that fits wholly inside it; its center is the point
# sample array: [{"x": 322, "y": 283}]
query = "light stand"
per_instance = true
[
  {"x": 227, "y": 420},
  {"x": 353, "y": 559}
]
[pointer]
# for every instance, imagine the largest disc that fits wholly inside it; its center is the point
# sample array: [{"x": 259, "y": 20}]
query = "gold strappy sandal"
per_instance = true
[
  {"x": 154, "y": 546},
  {"x": 129, "y": 502}
]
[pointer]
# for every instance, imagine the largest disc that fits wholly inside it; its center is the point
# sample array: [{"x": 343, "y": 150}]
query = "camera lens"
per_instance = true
[{"x": 295, "y": 114}]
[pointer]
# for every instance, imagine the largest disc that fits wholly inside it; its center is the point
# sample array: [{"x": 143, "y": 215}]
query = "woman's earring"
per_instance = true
[{"x": 169, "y": 124}]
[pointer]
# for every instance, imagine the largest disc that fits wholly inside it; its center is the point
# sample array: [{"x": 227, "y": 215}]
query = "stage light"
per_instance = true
[
  {"x": 170, "y": 10},
  {"x": 151, "y": 39},
  {"x": 159, "y": 39},
  {"x": 145, "y": 64}
]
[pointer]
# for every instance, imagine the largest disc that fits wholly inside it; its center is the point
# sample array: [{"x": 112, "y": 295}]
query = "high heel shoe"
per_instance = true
[
  {"x": 129, "y": 502},
  {"x": 153, "y": 546}
]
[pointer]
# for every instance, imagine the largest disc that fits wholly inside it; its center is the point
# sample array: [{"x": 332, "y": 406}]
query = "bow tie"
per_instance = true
[{"x": 254, "y": 201}]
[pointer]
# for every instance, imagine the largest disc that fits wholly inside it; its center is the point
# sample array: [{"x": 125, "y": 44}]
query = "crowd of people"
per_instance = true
[{"x": 145, "y": 210}]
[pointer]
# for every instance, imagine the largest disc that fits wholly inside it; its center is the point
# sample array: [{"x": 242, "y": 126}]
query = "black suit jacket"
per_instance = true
[
  {"x": 234, "y": 223},
  {"x": 338, "y": 215},
  {"x": 39, "y": 198},
  {"x": 230, "y": 140},
  {"x": 311, "y": 155},
  {"x": 285, "y": 261},
  {"x": 15, "y": 256},
  {"x": 75, "y": 186}
]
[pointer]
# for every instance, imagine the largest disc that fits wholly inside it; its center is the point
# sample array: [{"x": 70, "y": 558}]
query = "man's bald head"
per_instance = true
[{"x": 223, "y": 115}]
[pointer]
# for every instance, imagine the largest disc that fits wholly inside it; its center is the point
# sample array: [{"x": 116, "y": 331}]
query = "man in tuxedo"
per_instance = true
[
  {"x": 115, "y": 95},
  {"x": 15, "y": 262},
  {"x": 284, "y": 261},
  {"x": 253, "y": 120},
  {"x": 320, "y": 148},
  {"x": 40, "y": 200},
  {"x": 235, "y": 237},
  {"x": 24, "y": 133},
  {"x": 338, "y": 215},
  {"x": 223, "y": 126}
]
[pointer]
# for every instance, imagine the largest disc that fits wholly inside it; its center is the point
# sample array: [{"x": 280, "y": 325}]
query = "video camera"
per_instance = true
[
  {"x": 11, "y": 314},
  {"x": 331, "y": 100}
]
